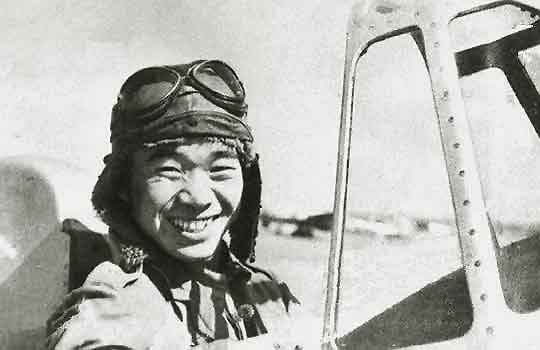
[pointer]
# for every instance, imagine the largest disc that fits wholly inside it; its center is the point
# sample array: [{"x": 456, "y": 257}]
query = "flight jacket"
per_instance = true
[{"x": 135, "y": 300}]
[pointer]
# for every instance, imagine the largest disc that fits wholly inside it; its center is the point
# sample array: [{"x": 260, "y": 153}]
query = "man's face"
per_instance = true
[{"x": 184, "y": 195}]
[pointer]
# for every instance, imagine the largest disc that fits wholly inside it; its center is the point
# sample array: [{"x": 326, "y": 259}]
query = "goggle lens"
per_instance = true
[
  {"x": 147, "y": 89},
  {"x": 218, "y": 79}
]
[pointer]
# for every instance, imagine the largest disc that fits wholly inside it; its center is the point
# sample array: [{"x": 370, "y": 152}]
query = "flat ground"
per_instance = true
[{"x": 377, "y": 272}]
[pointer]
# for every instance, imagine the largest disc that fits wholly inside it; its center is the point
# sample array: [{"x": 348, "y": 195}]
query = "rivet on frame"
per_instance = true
[
  {"x": 417, "y": 13},
  {"x": 472, "y": 231},
  {"x": 490, "y": 330},
  {"x": 371, "y": 26},
  {"x": 483, "y": 296},
  {"x": 461, "y": 173},
  {"x": 445, "y": 94},
  {"x": 433, "y": 24},
  {"x": 466, "y": 202},
  {"x": 456, "y": 145},
  {"x": 451, "y": 119},
  {"x": 477, "y": 263},
  {"x": 436, "y": 44}
]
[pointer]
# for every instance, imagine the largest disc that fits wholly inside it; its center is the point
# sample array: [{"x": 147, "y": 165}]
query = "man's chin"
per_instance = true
[
  {"x": 195, "y": 253},
  {"x": 195, "y": 247}
]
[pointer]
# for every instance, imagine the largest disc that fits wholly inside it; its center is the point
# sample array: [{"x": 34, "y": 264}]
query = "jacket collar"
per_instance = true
[{"x": 134, "y": 250}]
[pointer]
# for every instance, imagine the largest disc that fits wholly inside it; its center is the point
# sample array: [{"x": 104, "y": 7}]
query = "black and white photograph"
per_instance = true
[{"x": 333, "y": 175}]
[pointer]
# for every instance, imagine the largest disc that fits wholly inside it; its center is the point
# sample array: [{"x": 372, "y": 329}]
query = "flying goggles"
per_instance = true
[{"x": 202, "y": 98}]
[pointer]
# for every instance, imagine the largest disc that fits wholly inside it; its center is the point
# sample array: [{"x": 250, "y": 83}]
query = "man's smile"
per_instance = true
[
  {"x": 188, "y": 227},
  {"x": 195, "y": 225}
]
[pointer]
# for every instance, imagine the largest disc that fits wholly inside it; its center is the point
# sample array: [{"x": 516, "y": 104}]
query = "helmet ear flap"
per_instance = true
[{"x": 244, "y": 229}]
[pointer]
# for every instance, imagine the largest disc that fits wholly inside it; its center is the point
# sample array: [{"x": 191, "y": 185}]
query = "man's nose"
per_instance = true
[{"x": 197, "y": 191}]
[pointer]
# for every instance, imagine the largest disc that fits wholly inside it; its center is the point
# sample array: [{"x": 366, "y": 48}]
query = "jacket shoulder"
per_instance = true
[
  {"x": 265, "y": 287},
  {"x": 275, "y": 307}
]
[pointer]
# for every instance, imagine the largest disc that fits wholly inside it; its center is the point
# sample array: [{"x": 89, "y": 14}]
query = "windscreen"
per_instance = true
[{"x": 403, "y": 279}]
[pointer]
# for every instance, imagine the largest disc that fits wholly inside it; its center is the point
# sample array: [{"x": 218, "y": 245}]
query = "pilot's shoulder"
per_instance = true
[
  {"x": 110, "y": 275},
  {"x": 266, "y": 287}
]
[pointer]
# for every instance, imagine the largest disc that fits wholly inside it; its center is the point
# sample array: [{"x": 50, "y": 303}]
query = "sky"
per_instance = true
[
  {"x": 63, "y": 62},
  {"x": 397, "y": 161}
]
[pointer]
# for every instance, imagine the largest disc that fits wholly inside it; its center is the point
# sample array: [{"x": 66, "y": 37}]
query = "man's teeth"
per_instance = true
[{"x": 190, "y": 225}]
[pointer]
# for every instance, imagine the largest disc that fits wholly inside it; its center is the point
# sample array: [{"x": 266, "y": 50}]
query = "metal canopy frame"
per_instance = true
[
  {"x": 503, "y": 54},
  {"x": 494, "y": 326}
]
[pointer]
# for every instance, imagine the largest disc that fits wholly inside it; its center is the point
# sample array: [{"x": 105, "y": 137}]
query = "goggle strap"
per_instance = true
[
  {"x": 181, "y": 116},
  {"x": 136, "y": 132}
]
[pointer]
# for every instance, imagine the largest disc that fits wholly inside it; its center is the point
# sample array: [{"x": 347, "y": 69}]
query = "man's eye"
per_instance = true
[
  {"x": 169, "y": 170},
  {"x": 217, "y": 169},
  {"x": 220, "y": 173}
]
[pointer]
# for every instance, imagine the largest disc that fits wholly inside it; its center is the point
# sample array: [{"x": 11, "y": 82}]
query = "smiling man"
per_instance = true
[
  {"x": 184, "y": 195},
  {"x": 180, "y": 193}
]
